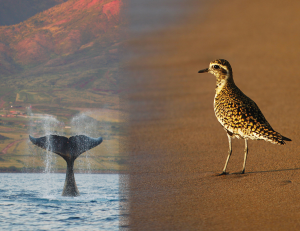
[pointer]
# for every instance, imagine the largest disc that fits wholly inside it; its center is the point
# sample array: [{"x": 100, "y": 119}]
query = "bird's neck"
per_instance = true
[{"x": 223, "y": 81}]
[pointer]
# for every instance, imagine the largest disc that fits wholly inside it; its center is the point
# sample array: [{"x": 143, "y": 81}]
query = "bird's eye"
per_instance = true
[{"x": 216, "y": 66}]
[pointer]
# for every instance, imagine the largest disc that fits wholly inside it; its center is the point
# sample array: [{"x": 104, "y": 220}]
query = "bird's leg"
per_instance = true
[
  {"x": 229, "y": 154},
  {"x": 245, "y": 158}
]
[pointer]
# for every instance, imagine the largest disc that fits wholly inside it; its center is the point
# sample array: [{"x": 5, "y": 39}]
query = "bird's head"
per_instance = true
[{"x": 219, "y": 68}]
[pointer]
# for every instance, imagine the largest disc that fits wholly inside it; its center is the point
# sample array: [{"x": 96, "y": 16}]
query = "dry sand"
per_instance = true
[{"x": 176, "y": 145}]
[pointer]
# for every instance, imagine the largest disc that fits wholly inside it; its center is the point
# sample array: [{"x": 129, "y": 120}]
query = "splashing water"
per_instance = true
[
  {"x": 82, "y": 124},
  {"x": 43, "y": 125},
  {"x": 85, "y": 124}
]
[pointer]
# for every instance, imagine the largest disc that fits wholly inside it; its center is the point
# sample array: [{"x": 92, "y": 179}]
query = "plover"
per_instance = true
[{"x": 237, "y": 113}]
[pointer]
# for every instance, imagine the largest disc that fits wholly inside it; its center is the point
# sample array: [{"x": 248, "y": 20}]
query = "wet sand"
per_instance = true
[{"x": 176, "y": 145}]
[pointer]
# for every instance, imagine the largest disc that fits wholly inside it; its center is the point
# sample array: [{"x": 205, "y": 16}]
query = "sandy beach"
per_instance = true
[{"x": 177, "y": 147}]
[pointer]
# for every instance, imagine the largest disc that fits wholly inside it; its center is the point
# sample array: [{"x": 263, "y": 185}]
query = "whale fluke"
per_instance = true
[
  {"x": 66, "y": 147},
  {"x": 69, "y": 149}
]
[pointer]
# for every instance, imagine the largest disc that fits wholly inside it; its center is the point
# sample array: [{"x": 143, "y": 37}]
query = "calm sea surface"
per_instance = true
[{"x": 34, "y": 202}]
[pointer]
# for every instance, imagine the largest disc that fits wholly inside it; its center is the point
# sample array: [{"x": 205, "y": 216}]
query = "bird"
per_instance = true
[{"x": 238, "y": 114}]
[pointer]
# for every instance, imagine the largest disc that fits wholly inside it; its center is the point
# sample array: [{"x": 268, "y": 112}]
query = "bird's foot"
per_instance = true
[{"x": 223, "y": 173}]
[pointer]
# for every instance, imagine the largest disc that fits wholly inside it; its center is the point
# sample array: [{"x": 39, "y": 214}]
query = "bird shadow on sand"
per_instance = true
[
  {"x": 238, "y": 174},
  {"x": 277, "y": 170}
]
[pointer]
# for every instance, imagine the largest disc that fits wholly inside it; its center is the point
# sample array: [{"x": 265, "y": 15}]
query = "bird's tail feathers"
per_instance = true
[
  {"x": 285, "y": 138},
  {"x": 280, "y": 140},
  {"x": 275, "y": 137}
]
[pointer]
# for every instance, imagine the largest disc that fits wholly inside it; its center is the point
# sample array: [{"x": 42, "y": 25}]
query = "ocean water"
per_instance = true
[{"x": 33, "y": 201}]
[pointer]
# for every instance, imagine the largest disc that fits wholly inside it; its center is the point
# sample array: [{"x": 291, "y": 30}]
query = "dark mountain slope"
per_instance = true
[{"x": 16, "y": 11}]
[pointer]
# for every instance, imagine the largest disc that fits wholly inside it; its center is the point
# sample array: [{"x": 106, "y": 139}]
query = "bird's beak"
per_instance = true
[{"x": 203, "y": 71}]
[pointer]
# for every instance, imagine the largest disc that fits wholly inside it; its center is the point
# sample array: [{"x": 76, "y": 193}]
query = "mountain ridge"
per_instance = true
[
  {"x": 15, "y": 11},
  {"x": 60, "y": 30},
  {"x": 61, "y": 49}
]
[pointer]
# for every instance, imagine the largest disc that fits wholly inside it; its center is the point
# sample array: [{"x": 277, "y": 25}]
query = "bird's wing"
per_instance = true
[
  {"x": 256, "y": 124},
  {"x": 251, "y": 112}
]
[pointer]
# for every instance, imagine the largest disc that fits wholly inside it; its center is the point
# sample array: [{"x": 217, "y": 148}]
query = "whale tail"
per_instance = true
[{"x": 67, "y": 148}]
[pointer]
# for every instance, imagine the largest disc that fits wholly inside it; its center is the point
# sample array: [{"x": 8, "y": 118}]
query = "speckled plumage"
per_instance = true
[
  {"x": 237, "y": 113},
  {"x": 240, "y": 115}
]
